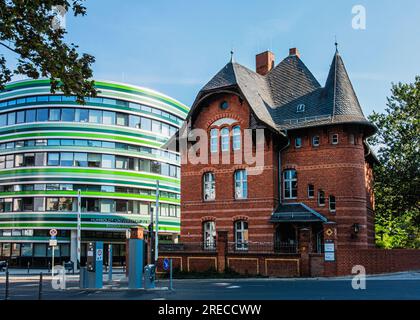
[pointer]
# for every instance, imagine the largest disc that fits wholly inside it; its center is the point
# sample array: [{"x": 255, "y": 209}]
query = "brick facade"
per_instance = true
[{"x": 285, "y": 235}]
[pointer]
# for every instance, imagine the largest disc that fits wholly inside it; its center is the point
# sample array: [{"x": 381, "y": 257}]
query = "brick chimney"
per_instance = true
[
  {"x": 264, "y": 62},
  {"x": 294, "y": 52}
]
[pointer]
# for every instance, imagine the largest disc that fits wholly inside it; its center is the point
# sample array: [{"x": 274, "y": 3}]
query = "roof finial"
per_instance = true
[
  {"x": 231, "y": 55},
  {"x": 336, "y": 44}
]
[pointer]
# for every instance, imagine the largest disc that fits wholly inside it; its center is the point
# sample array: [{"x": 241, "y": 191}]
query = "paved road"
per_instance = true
[{"x": 377, "y": 288}]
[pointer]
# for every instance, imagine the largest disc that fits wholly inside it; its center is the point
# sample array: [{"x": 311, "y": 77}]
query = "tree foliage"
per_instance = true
[
  {"x": 28, "y": 28},
  {"x": 397, "y": 178}
]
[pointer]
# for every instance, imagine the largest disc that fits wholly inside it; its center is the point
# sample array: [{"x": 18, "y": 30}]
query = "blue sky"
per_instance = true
[{"x": 176, "y": 46}]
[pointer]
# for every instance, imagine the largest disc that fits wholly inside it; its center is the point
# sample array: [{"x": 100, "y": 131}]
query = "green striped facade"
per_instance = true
[{"x": 15, "y": 98}]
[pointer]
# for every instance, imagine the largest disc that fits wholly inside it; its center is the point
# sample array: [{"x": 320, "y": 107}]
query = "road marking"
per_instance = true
[
  {"x": 233, "y": 287},
  {"x": 222, "y": 284}
]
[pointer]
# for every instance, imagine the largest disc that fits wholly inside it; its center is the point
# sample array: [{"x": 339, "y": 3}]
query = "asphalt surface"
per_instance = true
[{"x": 394, "y": 287}]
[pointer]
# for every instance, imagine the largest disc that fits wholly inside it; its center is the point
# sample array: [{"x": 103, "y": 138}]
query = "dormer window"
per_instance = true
[{"x": 300, "y": 108}]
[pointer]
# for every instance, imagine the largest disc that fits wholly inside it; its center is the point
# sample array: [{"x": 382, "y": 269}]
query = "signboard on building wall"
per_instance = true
[{"x": 329, "y": 251}]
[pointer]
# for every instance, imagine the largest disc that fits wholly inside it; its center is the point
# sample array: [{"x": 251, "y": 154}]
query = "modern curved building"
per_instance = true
[{"x": 109, "y": 148}]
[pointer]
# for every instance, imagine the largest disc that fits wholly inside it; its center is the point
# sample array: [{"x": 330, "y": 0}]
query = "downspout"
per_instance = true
[{"x": 280, "y": 171}]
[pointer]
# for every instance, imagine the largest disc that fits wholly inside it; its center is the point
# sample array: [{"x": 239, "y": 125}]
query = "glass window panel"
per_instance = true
[
  {"x": 109, "y": 117},
  {"x": 20, "y": 117},
  {"x": 11, "y": 118},
  {"x": 66, "y": 159},
  {"x": 94, "y": 160},
  {"x": 108, "y": 161},
  {"x": 53, "y": 142},
  {"x": 122, "y": 119},
  {"x": 39, "y": 204},
  {"x": 3, "y": 119},
  {"x": 42, "y": 115},
  {"x": 134, "y": 121},
  {"x": 53, "y": 159},
  {"x": 68, "y": 114},
  {"x": 156, "y": 126},
  {"x": 81, "y": 115},
  {"x": 81, "y": 159},
  {"x": 55, "y": 114},
  {"x": 30, "y": 115},
  {"x": 95, "y": 116},
  {"x": 145, "y": 124}
]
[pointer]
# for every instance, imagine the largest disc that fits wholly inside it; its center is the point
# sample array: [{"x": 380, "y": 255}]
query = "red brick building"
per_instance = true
[
  {"x": 316, "y": 180},
  {"x": 307, "y": 209}
]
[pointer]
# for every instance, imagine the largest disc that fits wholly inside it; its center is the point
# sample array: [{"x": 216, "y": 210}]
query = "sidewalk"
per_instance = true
[{"x": 25, "y": 272}]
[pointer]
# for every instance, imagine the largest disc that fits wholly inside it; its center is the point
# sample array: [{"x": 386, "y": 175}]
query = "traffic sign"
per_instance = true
[
  {"x": 166, "y": 264},
  {"x": 99, "y": 255},
  {"x": 53, "y": 243},
  {"x": 53, "y": 232}
]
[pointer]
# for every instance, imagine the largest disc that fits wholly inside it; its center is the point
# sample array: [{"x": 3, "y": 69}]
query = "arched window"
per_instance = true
[
  {"x": 236, "y": 140},
  {"x": 290, "y": 184},
  {"x": 214, "y": 140},
  {"x": 331, "y": 201},
  {"x": 225, "y": 139},
  {"x": 209, "y": 235},
  {"x": 209, "y": 186},
  {"x": 241, "y": 235},
  {"x": 241, "y": 184}
]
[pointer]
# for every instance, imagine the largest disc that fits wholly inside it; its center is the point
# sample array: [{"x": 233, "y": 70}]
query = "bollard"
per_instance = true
[
  {"x": 6, "y": 297},
  {"x": 49, "y": 266},
  {"x": 28, "y": 266},
  {"x": 40, "y": 287}
]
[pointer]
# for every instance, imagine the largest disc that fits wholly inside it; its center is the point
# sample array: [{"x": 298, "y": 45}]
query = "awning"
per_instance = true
[{"x": 296, "y": 212}]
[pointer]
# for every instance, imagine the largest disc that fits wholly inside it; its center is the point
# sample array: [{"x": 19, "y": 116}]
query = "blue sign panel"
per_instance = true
[{"x": 166, "y": 263}]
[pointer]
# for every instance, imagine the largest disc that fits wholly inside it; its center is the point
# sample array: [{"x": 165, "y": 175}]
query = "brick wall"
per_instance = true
[
  {"x": 225, "y": 209},
  {"x": 378, "y": 260}
]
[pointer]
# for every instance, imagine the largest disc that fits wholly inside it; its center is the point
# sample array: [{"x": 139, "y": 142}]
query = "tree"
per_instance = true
[
  {"x": 28, "y": 28},
  {"x": 397, "y": 178}
]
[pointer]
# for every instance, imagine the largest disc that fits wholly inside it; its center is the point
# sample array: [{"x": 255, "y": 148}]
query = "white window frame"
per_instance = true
[
  {"x": 288, "y": 181},
  {"x": 225, "y": 139},
  {"x": 241, "y": 235},
  {"x": 315, "y": 138},
  {"x": 241, "y": 184},
  {"x": 236, "y": 138},
  {"x": 334, "y": 138},
  {"x": 313, "y": 191},
  {"x": 297, "y": 146},
  {"x": 209, "y": 186},
  {"x": 209, "y": 234},
  {"x": 214, "y": 140}
]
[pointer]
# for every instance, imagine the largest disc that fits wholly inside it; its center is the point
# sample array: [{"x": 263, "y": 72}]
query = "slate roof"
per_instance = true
[
  {"x": 274, "y": 97},
  {"x": 296, "y": 212}
]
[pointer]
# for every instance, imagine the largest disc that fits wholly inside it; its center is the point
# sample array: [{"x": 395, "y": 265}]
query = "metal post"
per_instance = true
[
  {"x": 79, "y": 227},
  {"x": 150, "y": 244},
  {"x": 6, "y": 296},
  {"x": 52, "y": 261},
  {"x": 157, "y": 222},
  {"x": 110, "y": 262},
  {"x": 28, "y": 266},
  {"x": 40, "y": 287},
  {"x": 170, "y": 274}
]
